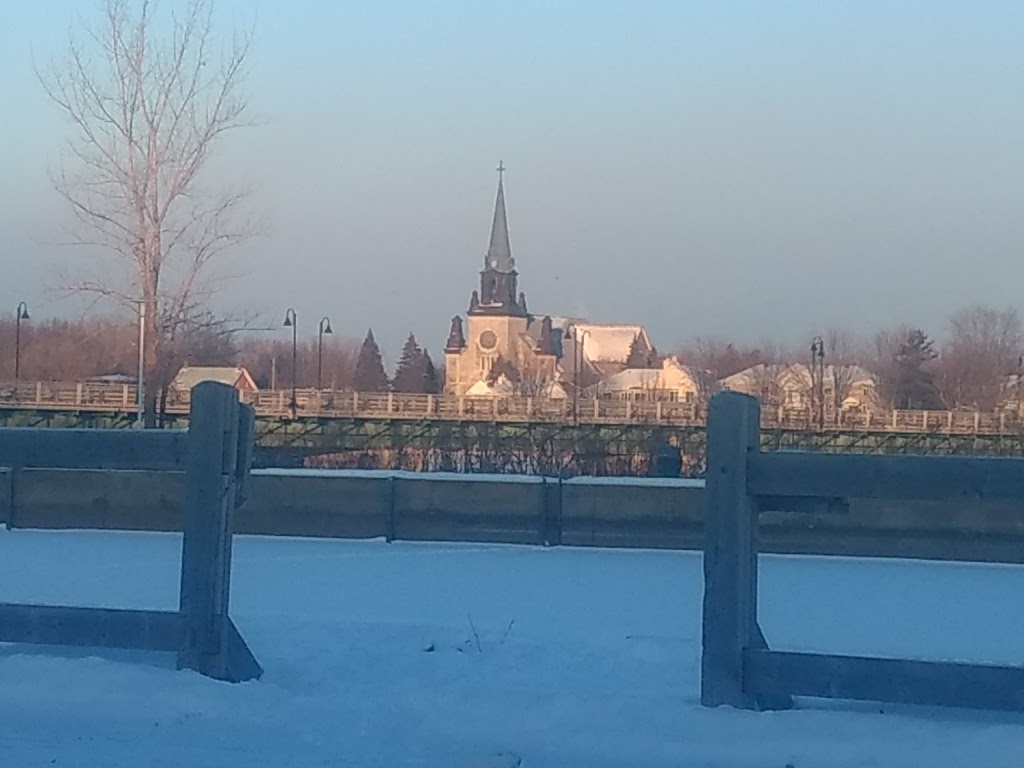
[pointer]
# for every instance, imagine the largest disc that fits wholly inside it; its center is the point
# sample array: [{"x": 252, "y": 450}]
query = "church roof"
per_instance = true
[
  {"x": 499, "y": 250},
  {"x": 608, "y": 343}
]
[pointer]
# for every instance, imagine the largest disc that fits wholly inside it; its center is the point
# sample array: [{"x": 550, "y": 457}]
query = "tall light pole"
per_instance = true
[
  {"x": 324, "y": 328},
  {"x": 578, "y": 339},
  {"x": 140, "y": 386},
  {"x": 21, "y": 313},
  {"x": 291, "y": 321},
  {"x": 818, "y": 377}
]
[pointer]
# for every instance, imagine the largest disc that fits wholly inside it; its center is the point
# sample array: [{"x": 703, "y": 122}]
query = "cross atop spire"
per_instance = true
[{"x": 499, "y": 251}]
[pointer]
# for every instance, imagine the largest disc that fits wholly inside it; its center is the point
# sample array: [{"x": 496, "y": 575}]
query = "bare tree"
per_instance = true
[
  {"x": 722, "y": 358},
  {"x": 879, "y": 357},
  {"x": 841, "y": 353},
  {"x": 149, "y": 99},
  {"x": 981, "y": 353}
]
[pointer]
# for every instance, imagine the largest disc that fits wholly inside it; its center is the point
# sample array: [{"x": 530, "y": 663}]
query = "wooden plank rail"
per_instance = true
[
  {"x": 903, "y": 681},
  {"x": 215, "y": 453},
  {"x": 158, "y": 450},
  {"x": 90, "y": 627},
  {"x": 865, "y": 476},
  {"x": 342, "y": 404},
  {"x": 737, "y": 667}
]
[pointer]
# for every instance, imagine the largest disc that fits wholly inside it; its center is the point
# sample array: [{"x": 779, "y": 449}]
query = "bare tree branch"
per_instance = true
[{"x": 149, "y": 99}]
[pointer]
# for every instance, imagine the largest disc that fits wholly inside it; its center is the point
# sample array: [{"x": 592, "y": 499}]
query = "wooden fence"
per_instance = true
[
  {"x": 738, "y": 668},
  {"x": 120, "y": 398},
  {"x": 215, "y": 453}
]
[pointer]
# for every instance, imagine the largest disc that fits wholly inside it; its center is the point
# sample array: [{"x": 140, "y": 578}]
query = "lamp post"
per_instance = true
[
  {"x": 140, "y": 386},
  {"x": 21, "y": 313},
  {"x": 818, "y": 377},
  {"x": 578, "y": 340},
  {"x": 291, "y": 321},
  {"x": 324, "y": 328}
]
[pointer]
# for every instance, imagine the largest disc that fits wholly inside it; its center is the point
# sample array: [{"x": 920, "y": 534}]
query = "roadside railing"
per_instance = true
[{"x": 330, "y": 403}]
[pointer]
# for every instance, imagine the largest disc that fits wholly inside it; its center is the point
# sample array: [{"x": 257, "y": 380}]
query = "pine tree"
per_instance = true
[
  {"x": 411, "y": 371},
  {"x": 636, "y": 357},
  {"x": 913, "y": 385},
  {"x": 369, "y": 375},
  {"x": 639, "y": 356},
  {"x": 431, "y": 379}
]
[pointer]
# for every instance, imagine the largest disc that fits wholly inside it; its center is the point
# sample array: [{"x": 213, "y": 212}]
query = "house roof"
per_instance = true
[
  {"x": 502, "y": 387},
  {"x": 188, "y": 376},
  {"x": 629, "y": 379},
  {"x": 794, "y": 375}
]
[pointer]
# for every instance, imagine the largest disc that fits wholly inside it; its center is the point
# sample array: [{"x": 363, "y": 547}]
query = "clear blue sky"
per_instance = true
[{"x": 747, "y": 169}]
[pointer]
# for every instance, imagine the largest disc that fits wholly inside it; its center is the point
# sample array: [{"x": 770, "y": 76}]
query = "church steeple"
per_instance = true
[
  {"x": 499, "y": 251},
  {"x": 498, "y": 278}
]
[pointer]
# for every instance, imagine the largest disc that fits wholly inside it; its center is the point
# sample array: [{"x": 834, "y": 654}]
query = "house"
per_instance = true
[
  {"x": 673, "y": 382},
  {"x": 790, "y": 386},
  {"x": 237, "y": 377}
]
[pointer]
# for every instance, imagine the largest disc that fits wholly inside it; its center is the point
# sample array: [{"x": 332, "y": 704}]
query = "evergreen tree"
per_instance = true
[
  {"x": 411, "y": 371},
  {"x": 370, "y": 375},
  {"x": 913, "y": 385},
  {"x": 641, "y": 357},
  {"x": 431, "y": 379},
  {"x": 637, "y": 357}
]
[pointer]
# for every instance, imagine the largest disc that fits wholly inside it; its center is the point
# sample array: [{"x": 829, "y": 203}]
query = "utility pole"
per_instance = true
[
  {"x": 818, "y": 378},
  {"x": 322, "y": 329},
  {"x": 21, "y": 313},
  {"x": 140, "y": 388},
  {"x": 291, "y": 321}
]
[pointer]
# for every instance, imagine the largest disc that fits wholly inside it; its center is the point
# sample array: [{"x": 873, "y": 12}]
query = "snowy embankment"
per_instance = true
[{"x": 457, "y": 655}]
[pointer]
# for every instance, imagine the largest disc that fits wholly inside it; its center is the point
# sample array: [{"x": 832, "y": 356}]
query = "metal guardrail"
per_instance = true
[{"x": 342, "y": 404}]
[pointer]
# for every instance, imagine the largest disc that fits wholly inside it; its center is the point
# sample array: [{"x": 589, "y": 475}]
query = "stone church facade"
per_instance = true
[{"x": 502, "y": 348}]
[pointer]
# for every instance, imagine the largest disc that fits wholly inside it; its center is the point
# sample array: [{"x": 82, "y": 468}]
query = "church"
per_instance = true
[{"x": 503, "y": 350}]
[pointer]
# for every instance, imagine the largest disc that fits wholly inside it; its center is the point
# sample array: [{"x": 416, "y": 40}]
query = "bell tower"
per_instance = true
[
  {"x": 496, "y": 321},
  {"x": 498, "y": 278}
]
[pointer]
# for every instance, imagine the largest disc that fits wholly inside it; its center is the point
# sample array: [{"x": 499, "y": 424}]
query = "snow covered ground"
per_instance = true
[{"x": 465, "y": 655}]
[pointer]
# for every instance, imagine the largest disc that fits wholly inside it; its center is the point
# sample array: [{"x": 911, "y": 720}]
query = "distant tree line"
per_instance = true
[
  {"x": 975, "y": 367},
  {"x": 65, "y": 350}
]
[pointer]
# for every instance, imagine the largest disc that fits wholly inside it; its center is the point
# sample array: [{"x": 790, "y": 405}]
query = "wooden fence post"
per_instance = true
[
  {"x": 730, "y": 550},
  {"x": 210, "y": 641}
]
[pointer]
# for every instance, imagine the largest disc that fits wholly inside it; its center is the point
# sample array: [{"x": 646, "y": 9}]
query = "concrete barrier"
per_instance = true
[
  {"x": 309, "y": 503},
  {"x": 609, "y": 512},
  {"x": 6, "y": 494},
  {"x": 506, "y": 510},
  {"x": 635, "y": 512},
  {"x": 122, "y": 500}
]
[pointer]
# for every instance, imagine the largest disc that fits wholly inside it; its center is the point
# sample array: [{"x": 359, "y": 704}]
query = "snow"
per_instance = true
[{"x": 540, "y": 658}]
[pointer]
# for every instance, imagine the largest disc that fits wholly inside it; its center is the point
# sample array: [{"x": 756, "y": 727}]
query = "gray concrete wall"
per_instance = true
[
  {"x": 5, "y": 495},
  {"x": 633, "y": 513}
]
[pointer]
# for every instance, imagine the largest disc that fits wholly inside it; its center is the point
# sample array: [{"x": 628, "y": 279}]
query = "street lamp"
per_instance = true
[
  {"x": 818, "y": 377},
  {"x": 578, "y": 338},
  {"x": 291, "y": 321},
  {"x": 21, "y": 313},
  {"x": 140, "y": 385},
  {"x": 324, "y": 328}
]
